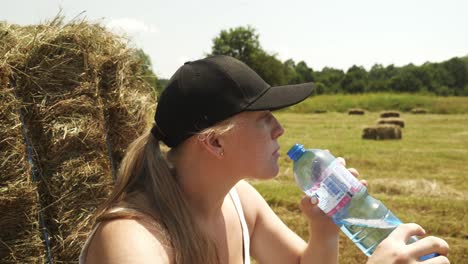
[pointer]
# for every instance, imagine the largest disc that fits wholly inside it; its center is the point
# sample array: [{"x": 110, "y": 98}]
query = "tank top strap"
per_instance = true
[{"x": 245, "y": 230}]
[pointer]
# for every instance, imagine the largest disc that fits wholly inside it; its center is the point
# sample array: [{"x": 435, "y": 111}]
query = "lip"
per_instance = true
[{"x": 276, "y": 152}]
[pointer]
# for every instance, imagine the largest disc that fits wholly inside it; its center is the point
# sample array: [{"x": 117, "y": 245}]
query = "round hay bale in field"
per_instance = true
[
  {"x": 382, "y": 132},
  {"x": 320, "y": 111},
  {"x": 369, "y": 133},
  {"x": 390, "y": 114},
  {"x": 419, "y": 111},
  {"x": 391, "y": 120},
  {"x": 356, "y": 111}
]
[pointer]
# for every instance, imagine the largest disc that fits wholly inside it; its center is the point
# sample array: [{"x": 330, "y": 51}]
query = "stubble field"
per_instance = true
[{"x": 421, "y": 177}]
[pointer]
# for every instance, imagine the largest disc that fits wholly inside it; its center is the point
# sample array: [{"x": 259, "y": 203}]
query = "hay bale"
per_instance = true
[
  {"x": 382, "y": 132},
  {"x": 391, "y": 120},
  {"x": 80, "y": 86},
  {"x": 419, "y": 111},
  {"x": 129, "y": 102},
  {"x": 20, "y": 235},
  {"x": 356, "y": 111},
  {"x": 320, "y": 111},
  {"x": 19, "y": 226},
  {"x": 390, "y": 114}
]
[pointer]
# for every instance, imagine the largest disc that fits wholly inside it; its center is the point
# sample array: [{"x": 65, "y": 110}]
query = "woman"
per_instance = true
[{"x": 193, "y": 205}]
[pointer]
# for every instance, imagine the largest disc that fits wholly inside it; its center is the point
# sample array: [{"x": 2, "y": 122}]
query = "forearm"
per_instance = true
[{"x": 322, "y": 248}]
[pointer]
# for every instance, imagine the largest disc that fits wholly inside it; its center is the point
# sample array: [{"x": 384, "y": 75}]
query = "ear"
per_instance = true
[{"x": 213, "y": 144}]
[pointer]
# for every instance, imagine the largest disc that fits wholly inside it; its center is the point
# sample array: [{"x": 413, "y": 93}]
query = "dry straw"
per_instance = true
[
  {"x": 382, "y": 132},
  {"x": 392, "y": 121},
  {"x": 356, "y": 111},
  {"x": 389, "y": 114},
  {"x": 20, "y": 240},
  {"x": 83, "y": 99},
  {"x": 419, "y": 111}
]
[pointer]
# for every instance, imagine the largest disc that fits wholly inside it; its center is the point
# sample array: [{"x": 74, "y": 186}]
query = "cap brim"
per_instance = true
[{"x": 278, "y": 97}]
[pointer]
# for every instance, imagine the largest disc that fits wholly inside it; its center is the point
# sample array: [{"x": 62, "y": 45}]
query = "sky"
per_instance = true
[{"x": 323, "y": 33}]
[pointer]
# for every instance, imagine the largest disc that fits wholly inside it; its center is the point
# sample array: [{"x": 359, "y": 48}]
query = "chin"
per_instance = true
[{"x": 271, "y": 174}]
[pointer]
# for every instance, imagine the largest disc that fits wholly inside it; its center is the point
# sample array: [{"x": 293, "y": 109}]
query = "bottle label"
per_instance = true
[{"x": 336, "y": 189}]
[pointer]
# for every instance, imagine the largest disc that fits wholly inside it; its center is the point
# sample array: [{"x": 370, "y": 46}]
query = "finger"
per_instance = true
[
  {"x": 306, "y": 204},
  {"x": 310, "y": 208},
  {"x": 364, "y": 182},
  {"x": 405, "y": 231},
  {"x": 342, "y": 161},
  {"x": 354, "y": 172},
  {"x": 437, "y": 260},
  {"x": 429, "y": 245}
]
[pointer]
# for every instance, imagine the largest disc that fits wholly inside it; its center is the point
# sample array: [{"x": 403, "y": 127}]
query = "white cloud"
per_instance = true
[{"x": 131, "y": 25}]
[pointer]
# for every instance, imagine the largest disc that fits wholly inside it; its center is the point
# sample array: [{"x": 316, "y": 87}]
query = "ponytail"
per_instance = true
[{"x": 146, "y": 184}]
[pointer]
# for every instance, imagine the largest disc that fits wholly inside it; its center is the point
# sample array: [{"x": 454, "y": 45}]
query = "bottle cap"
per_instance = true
[{"x": 296, "y": 151}]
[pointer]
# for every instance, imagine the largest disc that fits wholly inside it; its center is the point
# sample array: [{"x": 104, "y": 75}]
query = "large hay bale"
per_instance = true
[
  {"x": 80, "y": 86},
  {"x": 19, "y": 222},
  {"x": 128, "y": 102},
  {"x": 419, "y": 111},
  {"x": 392, "y": 121},
  {"x": 382, "y": 132},
  {"x": 389, "y": 114},
  {"x": 356, "y": 111}
]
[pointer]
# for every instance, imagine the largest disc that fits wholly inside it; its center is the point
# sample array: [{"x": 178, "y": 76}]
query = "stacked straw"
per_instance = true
[
  {"x": 75, "y": 80},
  {"x": 20, "y": 240}
]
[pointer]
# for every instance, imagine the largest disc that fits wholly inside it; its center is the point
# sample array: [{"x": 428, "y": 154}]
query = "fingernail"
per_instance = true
[{"x": 313, "y": 200}]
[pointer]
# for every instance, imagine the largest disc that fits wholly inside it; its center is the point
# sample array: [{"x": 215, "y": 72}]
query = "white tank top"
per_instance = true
[{"x": 237, "y": 204}]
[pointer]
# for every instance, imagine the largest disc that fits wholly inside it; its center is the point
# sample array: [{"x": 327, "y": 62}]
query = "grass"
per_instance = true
[
  {"x": 383, "y": 101},
  {"x": 421, "y": 178}
]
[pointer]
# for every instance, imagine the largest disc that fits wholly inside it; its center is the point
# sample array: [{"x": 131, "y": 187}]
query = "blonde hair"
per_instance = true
[{"x": 146, "y": 184}]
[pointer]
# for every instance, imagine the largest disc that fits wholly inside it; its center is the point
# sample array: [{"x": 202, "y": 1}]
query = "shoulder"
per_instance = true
[
  {"x": 252, "y": 203},
  {"x": 129, "y": 240}
]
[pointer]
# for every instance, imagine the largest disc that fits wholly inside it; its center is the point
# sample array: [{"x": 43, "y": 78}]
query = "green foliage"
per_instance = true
[
  {"x": 355, "y": 80},
  {"x": 146, "y": 72},
  {"x": 446, "y": 79},
  {"x": 241, "y": 43},
  {"x": 382, "y": 101}
]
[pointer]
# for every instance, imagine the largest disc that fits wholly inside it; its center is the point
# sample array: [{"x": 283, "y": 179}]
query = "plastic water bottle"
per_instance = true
[{"x": 364, "y": 219}]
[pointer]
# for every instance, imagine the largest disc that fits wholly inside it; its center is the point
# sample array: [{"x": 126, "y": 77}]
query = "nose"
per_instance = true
[{"x": 278, "y": 129}]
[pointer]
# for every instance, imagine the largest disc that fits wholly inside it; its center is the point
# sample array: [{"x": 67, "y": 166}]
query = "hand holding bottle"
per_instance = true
[
  {"x": 364, "y": 219},
  {"x": 394, "y": 249},
  {"x": 319, "y": 222}
]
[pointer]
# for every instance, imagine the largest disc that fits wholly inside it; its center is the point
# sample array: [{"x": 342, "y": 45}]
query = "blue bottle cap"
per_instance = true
[{"x": 296, "y": 152}]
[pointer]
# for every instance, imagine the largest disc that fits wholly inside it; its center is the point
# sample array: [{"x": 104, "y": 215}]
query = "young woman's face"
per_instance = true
[{"x": 252, "y": 145}]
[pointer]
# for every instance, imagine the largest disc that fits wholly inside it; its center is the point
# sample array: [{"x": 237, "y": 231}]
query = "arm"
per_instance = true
[
  {"x": 273, "y": 242},
  {"x": 127, "y": 241}
]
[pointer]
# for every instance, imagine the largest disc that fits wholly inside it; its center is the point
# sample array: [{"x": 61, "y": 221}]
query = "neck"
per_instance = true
[{"x": 205, "y": 183}]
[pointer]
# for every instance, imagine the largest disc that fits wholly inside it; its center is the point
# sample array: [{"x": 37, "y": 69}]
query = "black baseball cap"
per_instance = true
[{"x": 204, "y": 92}]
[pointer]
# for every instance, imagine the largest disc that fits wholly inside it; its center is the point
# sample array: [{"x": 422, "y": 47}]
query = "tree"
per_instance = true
[
  {"x": 241, "y": 43},
  {"x": 458, "y": 69},
  {"x": 355, "y": 80},
  {"x": 306, "y": 74},
  {"x": 330, "y": 78},
  {"x": 146, "y": 71},
  {"x": 269, "y": 68}
]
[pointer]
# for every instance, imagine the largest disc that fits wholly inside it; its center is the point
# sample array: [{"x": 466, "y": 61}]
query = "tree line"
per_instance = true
[{"x": 445, "y": 78}]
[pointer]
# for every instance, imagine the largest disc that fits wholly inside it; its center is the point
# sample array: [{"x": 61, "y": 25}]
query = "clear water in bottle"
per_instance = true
[{"x": 364, "y": 219}]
